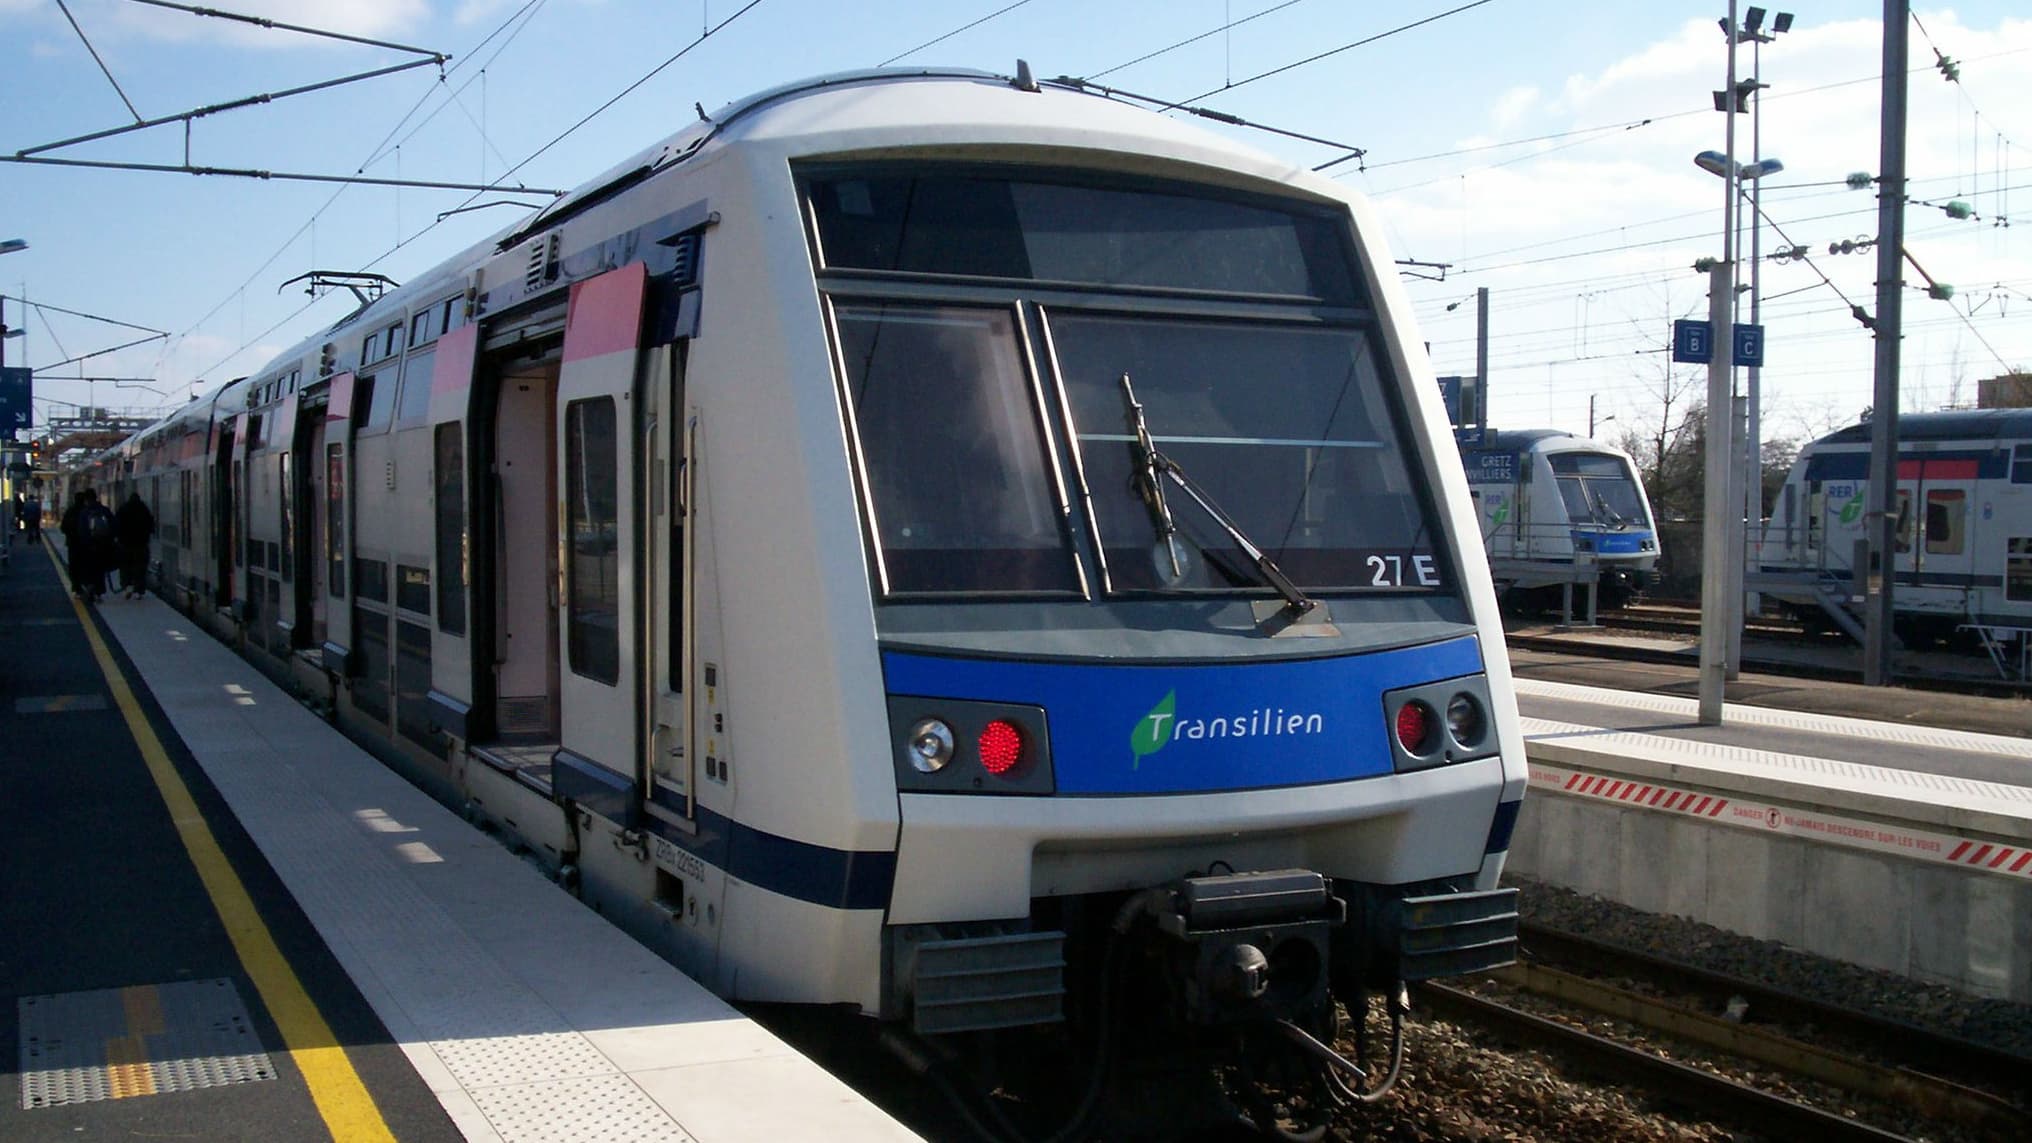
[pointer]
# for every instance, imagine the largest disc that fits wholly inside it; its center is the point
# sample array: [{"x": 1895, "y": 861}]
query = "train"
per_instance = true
[
  {"x": 953, "y": 546},
  {"x": 1553, "y": 505},
  {"x": 1963, "y": 564}
]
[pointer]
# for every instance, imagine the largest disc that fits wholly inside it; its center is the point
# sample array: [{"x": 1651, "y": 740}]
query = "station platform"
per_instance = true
[
  {"x": 1895, "y": 845},
  {"x": 220, "y": 919}
]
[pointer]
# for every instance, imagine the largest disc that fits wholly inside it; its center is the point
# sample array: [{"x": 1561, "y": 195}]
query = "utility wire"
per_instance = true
[
  {"x": 1333, "y": 52},
  {"x": 951, "y": 34},
  {"x": 108, "y": 72},
  {"x": 1229, "y": 26},
  {"x": 525, "y": 14},
  {"x": 624, "y": 92}
]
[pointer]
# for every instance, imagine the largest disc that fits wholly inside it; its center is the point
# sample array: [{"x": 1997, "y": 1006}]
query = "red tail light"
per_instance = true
[
  {"x": 1414, "y": 727},
  {"x": 1001, "y": 747}
]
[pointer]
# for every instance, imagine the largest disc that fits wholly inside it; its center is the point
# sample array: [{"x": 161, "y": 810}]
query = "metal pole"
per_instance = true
[
  {"x": 1717, "y": 596},
  {"x": 1482, "y": 355},
  {"x": 1881, "y": 521},
  {"x": 1753, "y": 446}
]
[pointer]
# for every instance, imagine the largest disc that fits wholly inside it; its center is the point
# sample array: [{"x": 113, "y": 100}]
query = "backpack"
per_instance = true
[{"x": 98, "y": 524}]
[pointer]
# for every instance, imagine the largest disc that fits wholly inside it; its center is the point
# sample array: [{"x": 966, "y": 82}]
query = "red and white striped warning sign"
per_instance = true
[{"x": 2006, "y": 859}]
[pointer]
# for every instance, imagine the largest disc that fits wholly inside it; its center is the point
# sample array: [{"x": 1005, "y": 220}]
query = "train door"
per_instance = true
[
  {"x": 307, "y": 450},
  {"x": 452, "y": 683},
  {"x": 516, "y": 511},
  {"x": 596, "y": 438},
  {"x": 335, "y": 515},
  {"x": 225, "y": 539},
  {"x": 2010, "y": 533}
]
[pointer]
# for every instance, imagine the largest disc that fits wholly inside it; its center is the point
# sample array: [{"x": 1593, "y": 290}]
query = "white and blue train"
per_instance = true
[
  {"x": 1549, "y": 501},
  {"x": 929, "y": 542},
  {"x": 1964, "y": 527}
]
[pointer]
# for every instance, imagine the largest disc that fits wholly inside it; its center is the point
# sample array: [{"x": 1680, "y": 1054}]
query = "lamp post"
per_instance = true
[{"x": 1753, "y": 448}]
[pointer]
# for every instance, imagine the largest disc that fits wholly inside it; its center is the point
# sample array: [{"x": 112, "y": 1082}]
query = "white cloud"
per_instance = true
[{"x": 1514, "y": 104}]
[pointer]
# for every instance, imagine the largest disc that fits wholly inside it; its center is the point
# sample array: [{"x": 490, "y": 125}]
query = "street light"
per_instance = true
[
  {"x": 10, "y": 245},
  {"x": 1717, "y": 164}
]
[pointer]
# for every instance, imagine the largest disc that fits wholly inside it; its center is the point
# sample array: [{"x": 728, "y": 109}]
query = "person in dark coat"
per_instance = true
[
  {"x": 86, "y": 577},
  {"x": 133, "y": 526},
  {"x": 31, "y": 519}
]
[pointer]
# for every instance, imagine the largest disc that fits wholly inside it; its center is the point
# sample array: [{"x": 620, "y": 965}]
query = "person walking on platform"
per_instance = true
[
  {"x": 88, "y": 540},
  {"x": 31, "y": 519},
  {"x": 133, "y": 525}
]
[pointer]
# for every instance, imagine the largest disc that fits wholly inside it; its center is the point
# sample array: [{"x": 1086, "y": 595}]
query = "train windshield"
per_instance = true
[
  {"x": 984, "y": 320},
  {"x": 1284, "y": 426},
  {"x": 1599, "y": 489}
]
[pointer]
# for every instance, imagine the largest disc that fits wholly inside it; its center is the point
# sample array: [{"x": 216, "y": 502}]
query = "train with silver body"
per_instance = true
[
  {"x": 1558, "y": 510},
  {"x": 941, "y": 543}
]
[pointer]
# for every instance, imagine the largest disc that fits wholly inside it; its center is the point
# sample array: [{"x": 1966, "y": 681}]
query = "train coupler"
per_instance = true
[{"x": 1256, "y": 943}]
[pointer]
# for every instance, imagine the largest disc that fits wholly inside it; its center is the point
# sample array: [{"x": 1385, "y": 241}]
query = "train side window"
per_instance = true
[
  {"x": 379, "y": 400},
  {"x": 370, "y": 579},
  {"x": 1904, "y": 529},
  {"x": 451, "y": 529},
  {"x": 1946, "y": 513},
  {"x": 287, "y": 504},
  {"x": 335, "y": 519},
  {"x": 2018, "y": 569},
  {"x": 2021, "y": 464},
  {"x": 415, "y": 403},
  {"x": 593, "y": 632}
]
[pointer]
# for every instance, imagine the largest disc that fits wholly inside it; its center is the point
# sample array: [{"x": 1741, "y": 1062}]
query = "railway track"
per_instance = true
[
  {"x": 1887, "y": 1062},
  {"x": 1774, "y": 1116},
  {"x": 1908, "y": 1045},
  {"x": 1664, "y": 621}
]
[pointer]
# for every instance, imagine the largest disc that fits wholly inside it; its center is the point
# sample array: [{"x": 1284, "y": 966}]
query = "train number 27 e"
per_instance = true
[{"x": 1388, "y": 571}]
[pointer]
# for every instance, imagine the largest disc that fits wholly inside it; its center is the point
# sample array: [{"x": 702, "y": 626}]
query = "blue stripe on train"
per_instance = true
[
  {"x": 863, "y": 879},
  {"x": 822, "y": 875},
  {"x": 1175, "y": 728},
  {"x": 1626, "y": 543}
]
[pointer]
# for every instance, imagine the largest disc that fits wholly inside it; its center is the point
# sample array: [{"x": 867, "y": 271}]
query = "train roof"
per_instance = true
[
  {"x": 1525, "y": 438},
  {"x": 860, "y": 110},
  {"x": 1958, "y": 424}
]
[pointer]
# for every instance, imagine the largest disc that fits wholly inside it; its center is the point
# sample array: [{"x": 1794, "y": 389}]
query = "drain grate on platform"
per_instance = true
[{"x": 117, "y": 1043}]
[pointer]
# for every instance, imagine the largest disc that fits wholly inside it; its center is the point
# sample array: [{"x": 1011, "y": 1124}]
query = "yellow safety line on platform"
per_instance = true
[{"x": 342, "y": 1098}]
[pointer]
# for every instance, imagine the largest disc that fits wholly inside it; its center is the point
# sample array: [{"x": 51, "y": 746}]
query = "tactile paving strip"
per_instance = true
[
  {"x": 587, "y": 1109},
  {"x": 117, "y": 1043}
]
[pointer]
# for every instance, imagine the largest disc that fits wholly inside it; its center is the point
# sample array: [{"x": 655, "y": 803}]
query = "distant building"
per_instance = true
[{"x": 2011, "y": 391}]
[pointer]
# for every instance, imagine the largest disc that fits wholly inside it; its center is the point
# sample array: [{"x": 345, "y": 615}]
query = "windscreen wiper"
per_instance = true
[
  {"x": 1148, "y": 486},
  {"x": 1151, "y": 465}
]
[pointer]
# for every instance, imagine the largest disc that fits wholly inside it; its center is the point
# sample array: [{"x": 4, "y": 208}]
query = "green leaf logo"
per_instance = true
[
  {"x": 1153, "y": 730},
  {"x": 1851, "y": 510},
  {"x": 1502, "y": 512}
]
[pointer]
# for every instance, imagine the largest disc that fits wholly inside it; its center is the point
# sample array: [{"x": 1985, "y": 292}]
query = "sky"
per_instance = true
[{"x": 1541, "y": 151}]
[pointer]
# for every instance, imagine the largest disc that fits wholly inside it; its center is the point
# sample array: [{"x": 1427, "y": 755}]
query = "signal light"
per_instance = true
[
  {"x": 1001, "y": 746},
  {"x": 1414, "y": 726}
]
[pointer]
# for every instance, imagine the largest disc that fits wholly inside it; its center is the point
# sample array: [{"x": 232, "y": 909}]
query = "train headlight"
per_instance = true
[
  {"x": 931, "y": 745},
  {"x": 944, "y": 745},
  {"x": 1440, "y": 723},
  {"x": 1464, "y": 720}
]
